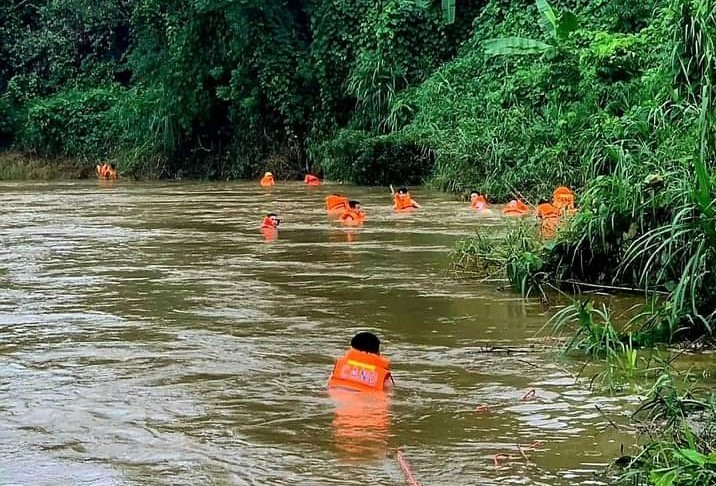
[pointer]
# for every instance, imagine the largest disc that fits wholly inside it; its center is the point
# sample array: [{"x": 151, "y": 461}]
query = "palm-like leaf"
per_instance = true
[
  {"x": 548, "y": 18},
  {"x": 515, "y": 45}
]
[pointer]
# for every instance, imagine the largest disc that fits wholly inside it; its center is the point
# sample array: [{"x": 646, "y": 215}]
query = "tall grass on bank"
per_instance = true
[
  {"x": 681, "y": 429},
  {"x": 514, "y": 255}
]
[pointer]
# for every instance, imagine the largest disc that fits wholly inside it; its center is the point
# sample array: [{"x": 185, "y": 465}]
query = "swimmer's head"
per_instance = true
[
  {"x": 366, "y": 342},
  {"x": 274, "y": 219},
  {"x": 354, "y": 205}
]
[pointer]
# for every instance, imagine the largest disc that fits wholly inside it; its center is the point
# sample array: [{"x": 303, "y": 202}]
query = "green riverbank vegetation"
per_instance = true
[{"x": 614, "y": 98}]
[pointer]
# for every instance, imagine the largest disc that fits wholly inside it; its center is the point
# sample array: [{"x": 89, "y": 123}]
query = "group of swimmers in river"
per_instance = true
[{"x": 550, "y": 214}]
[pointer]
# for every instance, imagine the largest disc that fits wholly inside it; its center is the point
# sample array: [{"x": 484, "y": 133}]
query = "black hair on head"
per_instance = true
[
  {"x": 272, "y": 215},
  {"x": 474, "y": 192},
  {"x": 543, "y": 201},
  {"x": 403, "y": 190},
  {"x": 366, "y": 342},
  {"x": 353, "y": 204}
]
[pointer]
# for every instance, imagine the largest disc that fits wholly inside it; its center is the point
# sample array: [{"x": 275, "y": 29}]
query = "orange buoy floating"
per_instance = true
[
  {"x": 311, "y": 180},
  {"x": 267, "y": 180}
]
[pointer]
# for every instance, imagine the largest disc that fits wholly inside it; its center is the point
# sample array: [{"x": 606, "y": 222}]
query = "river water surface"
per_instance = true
[{"x": 151, "y": 335}]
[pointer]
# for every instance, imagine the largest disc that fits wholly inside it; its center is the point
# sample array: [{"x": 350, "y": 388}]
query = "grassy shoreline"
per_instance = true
[{"x": 17, "y": 166}]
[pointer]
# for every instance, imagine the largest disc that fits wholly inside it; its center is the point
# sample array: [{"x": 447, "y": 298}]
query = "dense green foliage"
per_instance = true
[{"x": 217, "y": 88}]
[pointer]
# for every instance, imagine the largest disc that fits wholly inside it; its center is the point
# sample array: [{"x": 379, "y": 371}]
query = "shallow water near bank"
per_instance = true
[{"x": 150, "y": 334}]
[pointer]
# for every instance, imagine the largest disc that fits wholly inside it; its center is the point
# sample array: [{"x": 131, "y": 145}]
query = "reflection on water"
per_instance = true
[{"x": 152, "y": 335}]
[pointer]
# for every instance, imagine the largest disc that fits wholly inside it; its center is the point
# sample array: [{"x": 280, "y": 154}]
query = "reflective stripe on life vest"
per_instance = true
[{"x": 360, "y": 371}]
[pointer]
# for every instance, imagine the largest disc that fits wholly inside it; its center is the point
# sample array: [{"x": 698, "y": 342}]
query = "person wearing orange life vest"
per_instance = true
[
  {"x": 311, "y": 180},
  {"x": 267, "y": 180},
  {"x": 402, "y": 200},
  {"x": 362, "y": 368},
  {"x": 549, "y": 217},
  {"x": 515, "y": 208},
  {"x": 478, "y": 202},
  {"x": 563, "y": 199},
  {"x": 352, "y": 215},
  {"x": 270, "y": 221}
]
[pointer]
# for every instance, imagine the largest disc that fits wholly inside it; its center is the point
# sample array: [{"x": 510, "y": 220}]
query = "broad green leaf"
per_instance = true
[
  {"x": 548, "y": 19},
  {"x": 568, "y": 23},
  {"x": 506, "y": 46},
  {"x": 711, "y": 458},
  {"x": 692, "y": 456},
  {"x": 663, "y": 478}
]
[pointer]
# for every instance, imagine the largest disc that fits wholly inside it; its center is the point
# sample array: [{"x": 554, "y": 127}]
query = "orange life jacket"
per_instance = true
[
  {"x": 268, "y": 223},
  {"x": 360, "y": 371},
  {"x": 515, "y": 208},
  {"x": 312, "y": 180},
  {"x": 336, "y": 203},
  {"x": 550, "y": 219},
  {"x": 351, "y": 216},
  {"x": 402, "y": 203},
  {"x": 563, "y": 198},
  {"x": 267, "y": 181},
  {"x": 105, "y": 171},
  {"x": 479, "y": 203},
  {"x": 547, "y": 210}
]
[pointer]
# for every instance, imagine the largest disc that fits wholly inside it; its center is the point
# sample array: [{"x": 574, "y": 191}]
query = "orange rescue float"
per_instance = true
[
  {"x": 360, "y": 371},
  {"x": 267, "y": 180}
]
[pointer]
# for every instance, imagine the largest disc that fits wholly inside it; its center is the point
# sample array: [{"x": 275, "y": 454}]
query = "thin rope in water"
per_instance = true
[{"x": 405, "y": 467}]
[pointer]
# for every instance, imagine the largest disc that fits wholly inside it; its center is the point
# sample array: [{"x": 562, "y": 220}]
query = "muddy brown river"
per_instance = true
[{"x": 151, "y": 335}]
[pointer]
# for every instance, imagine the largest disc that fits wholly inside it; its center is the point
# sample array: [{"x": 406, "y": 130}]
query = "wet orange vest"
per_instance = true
[
  {"x": 104, "y": 171},
  {"x": 267, "y": 181},
  {"x": 550, "y": 218},
  {"x": 351, "y": 216},
  {"x": 402, "y": 203},
  {"x": 335, "y": 203},
  {"x": 479, "y": 203},
  {"x": 563, "y": 198},
  {"x": 360, "y": 371},
  {"x": 267, "y": 223},
  {"x": 312, "y": 180},
  {"x": 547, "y": 210},
  {"x": 515, "y": 208}
]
